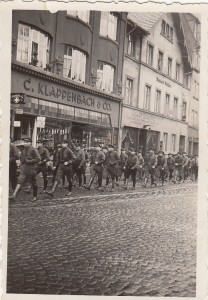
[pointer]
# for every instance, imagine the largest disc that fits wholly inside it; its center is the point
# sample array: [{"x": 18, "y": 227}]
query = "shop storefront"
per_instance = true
[{"x": 71, "y": 111}]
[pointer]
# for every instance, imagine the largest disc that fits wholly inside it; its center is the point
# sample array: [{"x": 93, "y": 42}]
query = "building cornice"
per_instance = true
[{"x": 51, "y": 77}]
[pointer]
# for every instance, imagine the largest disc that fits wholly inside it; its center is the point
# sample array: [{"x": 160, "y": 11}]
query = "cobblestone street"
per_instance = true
[{"x": 140, "y": 243}]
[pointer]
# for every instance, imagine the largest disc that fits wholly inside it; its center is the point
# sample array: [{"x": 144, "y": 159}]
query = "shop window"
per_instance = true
[
  {"x": 74, "y": 64},
  {"x": 95, "y": 117},
  {"x": 165, "y": 141},
  {"x": 108, "y": 25},
  {"x": 129, "y": 87},
  {"x": 175, "y": 108},
  {"x": 83, "y": 15},
  {"x": 167, "y": 104},
  {"x": 173, "y": 142},
  {"x": 169, "y": 71},
  {"x": 160, "y": 61},
  {"x": 184, "y": 111},
  {"x": 106, "y": 120},
  {"x": 130, "y": 45},
  {"x": 177, "y": 75},
  {"x": 105, "y": 77},
  {"x": 149, "y": 54},
  {"x": 147, "y": 96},
  {"x": 157, "y": 101},
  {"x": 33, "y": 46}
]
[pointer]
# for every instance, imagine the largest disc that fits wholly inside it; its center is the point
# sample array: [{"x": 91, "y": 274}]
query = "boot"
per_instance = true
[
  {"x": 44, "y": 186},
  {"x": 13, "y": 197},
  {"x": 145, "y": 183},
  {"x": 89, "y": 186},
  {"x": 35, "y": 192},
  {"x": 113, "y": 186},
  {"x": 126, "y": 184},
  {"x": 51, "y": 193}
]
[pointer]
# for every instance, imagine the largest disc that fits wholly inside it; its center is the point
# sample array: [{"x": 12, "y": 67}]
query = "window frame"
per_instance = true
[
  {"x": 148, "y": 52},
  {"x": 147, "y": 87},
  {"x": 37, "y": 49},
  {"x": 175, "y": 108},
  {"x": 158, "y": 60},
  {"x": 173, "y": 138},
  {"x": 82, "y": 63},
  {"x": 129, "y": 100},
  {"x": 78, "y": 14},
  {"x": 106, "y": 76},
  {"x": 156, "y": 98},
  {"x": 171, "y": 69},
  {"x": 165, "y": 141},
  {"x": 167, "y": 112},
  {"x": 106, "y": 25},
  {"x": 178, "y": 73}
]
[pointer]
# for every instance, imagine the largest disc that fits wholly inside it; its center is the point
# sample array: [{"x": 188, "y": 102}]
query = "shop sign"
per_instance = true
[
  {"x": 57, "y": 93},
  {"x": 162, "y": 81},
  {"x": 17, "y": 123},
  {"x": 17, "y": 98},
  {"x": 19, "y": 111},
  {"x": 40, "y": 122}
]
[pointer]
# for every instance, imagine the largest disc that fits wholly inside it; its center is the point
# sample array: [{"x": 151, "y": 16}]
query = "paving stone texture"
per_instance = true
[{"x": 138, "y": 243}]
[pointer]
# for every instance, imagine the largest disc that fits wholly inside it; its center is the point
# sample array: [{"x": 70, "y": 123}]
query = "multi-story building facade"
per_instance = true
[
  {"x": 157, "y": 73},
  {"x": 67, "y": 67}
]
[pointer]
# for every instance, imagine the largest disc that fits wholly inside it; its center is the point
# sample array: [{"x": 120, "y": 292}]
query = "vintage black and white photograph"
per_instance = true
[{"x": 103, "y": 159}]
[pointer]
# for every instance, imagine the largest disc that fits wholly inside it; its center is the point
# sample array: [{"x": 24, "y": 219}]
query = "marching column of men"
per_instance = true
[{"x": 104, "y": 163}]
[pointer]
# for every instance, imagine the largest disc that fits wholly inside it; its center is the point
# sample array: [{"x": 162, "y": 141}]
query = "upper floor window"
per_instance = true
[
  {"x": 187, "y": 80},
  {"x": 147, "y": 96},
  {"x": 167, "y": 104},
  {"x": 33, "y": 46},
  {"x": 194, "y": 118},
  {"x": 184, "y": 111},
  {"x": 157, "y": 101},
  {"x": 160, "y": 61},
  {"x": 177, "y": 73},
  {"x": 169, "y": 71},
  {"x": 105, "y": 77},
  {"x": 167, "y": 30},
  {"x": 163, "y": 27},
  {"x": 175, "y": 108},
  {"x": 84, "y": 15},
  {"x": 129, "y": 88},
  {"x": 108, "y": 25},
  {"x": 149, "y": 54},
  {"x": 130, "y": 45},
  {"x": 74, "y": 64},
  {"x": 173, "y": 142}
]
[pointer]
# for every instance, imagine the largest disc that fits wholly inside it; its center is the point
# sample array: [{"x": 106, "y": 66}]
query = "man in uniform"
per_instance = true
[
  {"x": 42, "y": 166},
  {"x": 185, "y": 166},
  {"x": 121, "y": 164},
  {"x": 97, "y": 168},
  {"x": 131, "y": 168},
  {"x": 29, "y": 158},
  {"x": 140, "y": 166},
  {"x": 170, "y": 165},
  {"x": 78, "y": 164},
  {"x": 66, "y": 158},
  {"x": 178, "y": 167},
  {"x": 13, "y": 157},
  {"x": 112, "y": 159},
  {"x": 161, "y": 165},
  {"x": 151, "y": 163}
]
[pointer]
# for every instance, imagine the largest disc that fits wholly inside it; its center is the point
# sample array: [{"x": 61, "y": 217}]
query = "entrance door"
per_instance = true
[{"x": 26, "y": 127}]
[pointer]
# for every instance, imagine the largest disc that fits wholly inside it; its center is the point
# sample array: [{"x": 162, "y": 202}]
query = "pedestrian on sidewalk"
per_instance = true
[
  {"x": 29, "y": 158},
  {"x": 66, "y": 158},
  {"x": 42, "y": 165},
  {"x": 131, "y": 168}
]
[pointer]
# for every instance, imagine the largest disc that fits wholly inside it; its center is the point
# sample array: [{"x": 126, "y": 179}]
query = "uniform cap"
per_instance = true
[
  {"x": 160, "y": 152},
  {"x": 27, "y": 140}
]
